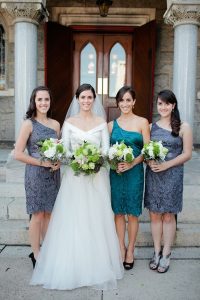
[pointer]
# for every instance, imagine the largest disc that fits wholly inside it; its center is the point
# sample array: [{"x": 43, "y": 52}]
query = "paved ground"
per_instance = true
[{"x": 182, "y": 281}]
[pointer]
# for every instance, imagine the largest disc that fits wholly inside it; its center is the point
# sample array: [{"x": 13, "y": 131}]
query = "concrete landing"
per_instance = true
[{"x": 180, "y": 282}]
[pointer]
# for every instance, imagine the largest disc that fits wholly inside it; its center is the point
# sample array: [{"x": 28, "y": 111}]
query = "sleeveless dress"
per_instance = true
[
  {"x": 81, "y": 246},
  {"x": 164, "y": 190},
  {"x": 41, "y": 185},
  {"x": 127, "y": 188}
]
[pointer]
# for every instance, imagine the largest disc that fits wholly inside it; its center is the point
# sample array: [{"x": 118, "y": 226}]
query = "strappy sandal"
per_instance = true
[
  {"x": 164, "y": 264},
  {"x": 154, "y": 262}
]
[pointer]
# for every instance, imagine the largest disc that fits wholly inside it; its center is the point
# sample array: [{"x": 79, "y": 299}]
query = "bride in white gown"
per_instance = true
[{"x": 81, "y": 246}]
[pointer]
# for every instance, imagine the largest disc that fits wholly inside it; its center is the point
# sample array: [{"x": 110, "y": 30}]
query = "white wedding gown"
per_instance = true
[{"x": 81, "y": 246}]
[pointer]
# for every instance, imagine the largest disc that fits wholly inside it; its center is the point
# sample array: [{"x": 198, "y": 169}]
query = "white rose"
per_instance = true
[{"x": 50, "y": 152}]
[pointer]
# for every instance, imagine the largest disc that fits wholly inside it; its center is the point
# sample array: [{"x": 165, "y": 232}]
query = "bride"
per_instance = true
[{"x": 81, "y": 246}]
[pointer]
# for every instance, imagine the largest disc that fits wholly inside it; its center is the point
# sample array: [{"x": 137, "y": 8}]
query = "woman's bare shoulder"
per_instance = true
[
  {"x": 27, "y": 124},
  {"x": 185, "y": 125},
  {"x": 143, "y": 121}
]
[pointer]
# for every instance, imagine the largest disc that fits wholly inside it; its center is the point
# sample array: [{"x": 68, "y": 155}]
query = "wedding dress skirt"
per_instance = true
[{"x": 81, "y": 246}]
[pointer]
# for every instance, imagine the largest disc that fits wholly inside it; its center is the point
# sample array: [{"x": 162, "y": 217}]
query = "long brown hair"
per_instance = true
[
  {"x": 168, "y": 96},
  {"x": 123, "y": 91},
  {"x": 31, "y": 111}
]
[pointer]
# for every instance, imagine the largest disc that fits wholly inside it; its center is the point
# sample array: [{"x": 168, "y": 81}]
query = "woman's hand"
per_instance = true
[
  {"x": 158, "y": 167},
  {"x": 124, "y": 166},
  {"x": 149, "y": 162},
  {"x": 47, "y": 164},
  {"x": 56, "y": 166}
]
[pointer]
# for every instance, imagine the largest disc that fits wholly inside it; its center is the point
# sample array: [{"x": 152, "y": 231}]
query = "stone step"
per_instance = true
[
  {"x": 10, "y": 189},
  {"x": 189, "y": 214},
  {"x": 13, "y": 209},
  {"x": 187, "y": 235},
  {"x": 2, "y": 173},
  {"x": 15, "y": 190},
  {"x": 15, "y": 232},
  {"x": 13, "y": 204}
]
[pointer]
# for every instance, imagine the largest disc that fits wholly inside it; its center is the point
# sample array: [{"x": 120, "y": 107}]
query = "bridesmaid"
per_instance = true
[
  {"x": 164, "y": 181},
  {"x": 127, "y": 188},
  {"x": 41, "y": 185}
]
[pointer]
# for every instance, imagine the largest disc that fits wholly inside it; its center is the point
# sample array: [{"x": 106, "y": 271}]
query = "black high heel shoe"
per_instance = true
[
  {"x": 31, "y": 255},
  {"x": 128, "y": 266}
]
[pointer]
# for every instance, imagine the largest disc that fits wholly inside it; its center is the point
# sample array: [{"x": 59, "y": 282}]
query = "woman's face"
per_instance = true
[
  {"x": 86, "y": 100},
  {"x": 164, "y": 108},
  {"x": 126, "y": 104},
  {"x": 42, "y": 102}
]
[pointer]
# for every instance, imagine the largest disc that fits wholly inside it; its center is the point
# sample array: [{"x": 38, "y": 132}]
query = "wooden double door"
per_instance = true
[{"x": 105, "y": 59}]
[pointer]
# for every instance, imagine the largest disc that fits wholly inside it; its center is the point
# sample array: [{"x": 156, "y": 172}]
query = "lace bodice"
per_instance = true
[{"x": 73, "y": 136}]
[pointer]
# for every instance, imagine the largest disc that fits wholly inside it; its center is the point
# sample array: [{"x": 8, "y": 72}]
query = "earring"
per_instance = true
[{"x": 173, "y": 110}]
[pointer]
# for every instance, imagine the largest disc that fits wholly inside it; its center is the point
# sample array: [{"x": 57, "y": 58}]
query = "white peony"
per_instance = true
[{"x": 50, "y": 152}]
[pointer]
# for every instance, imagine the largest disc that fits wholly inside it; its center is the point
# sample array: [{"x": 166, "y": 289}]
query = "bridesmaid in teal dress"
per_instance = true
[{"x": 127, "y": 188}]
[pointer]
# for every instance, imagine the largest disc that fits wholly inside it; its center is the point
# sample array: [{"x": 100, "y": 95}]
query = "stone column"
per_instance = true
[
  {"x": 26, "y": 16},
  {"x": 185, "y": 17}
]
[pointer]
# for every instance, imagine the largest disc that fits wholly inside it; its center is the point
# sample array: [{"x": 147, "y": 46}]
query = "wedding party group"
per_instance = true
[{"x": 111, "y": 171}]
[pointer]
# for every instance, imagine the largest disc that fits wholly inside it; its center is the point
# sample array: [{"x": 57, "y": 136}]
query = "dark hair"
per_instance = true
[
  {"x": 168, "y": 97},
  {"x": 31, "y": 111},
  {"x": 85, "y": 87},
  {"x": 123, "y": 91}
]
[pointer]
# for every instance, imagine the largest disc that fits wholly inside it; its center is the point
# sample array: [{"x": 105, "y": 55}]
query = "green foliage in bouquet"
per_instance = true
[
  {"x": 154, "y": 150},
  {"x": 119, "y": 152},
  {"x": 86, "y": 159}
]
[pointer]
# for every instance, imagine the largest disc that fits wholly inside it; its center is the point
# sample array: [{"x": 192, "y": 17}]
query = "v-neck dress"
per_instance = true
[
  {"x": 164, "y": 190},
  {"x": 127, "y": 188},
  {"x": 41, "y": 185}
]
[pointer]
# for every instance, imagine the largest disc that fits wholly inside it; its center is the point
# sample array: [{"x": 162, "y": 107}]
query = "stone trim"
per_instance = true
[
  {"x": 23, "y": 11},
  {"x": 178, "y": 14},
  {"x": 90, "y": 16}
]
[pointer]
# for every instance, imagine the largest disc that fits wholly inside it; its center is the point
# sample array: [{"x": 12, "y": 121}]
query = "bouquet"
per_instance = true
[
  {"x": 86, "y": 159},
  {"x": 119, "y": 152},
  {"x": 154, "y": 150},
  {"x": 52, "y": 150}
]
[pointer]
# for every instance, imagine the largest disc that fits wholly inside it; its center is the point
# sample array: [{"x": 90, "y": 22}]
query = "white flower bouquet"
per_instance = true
[
  {"x": 119, "y": 152},
  {"x": 86, "y": 159},
  {"x": 155, "y": 151},
  {"x": 52, "y": 150}
]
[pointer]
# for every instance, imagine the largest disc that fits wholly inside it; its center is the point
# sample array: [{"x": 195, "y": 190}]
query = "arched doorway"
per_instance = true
[{"x": 103, "y": 58}]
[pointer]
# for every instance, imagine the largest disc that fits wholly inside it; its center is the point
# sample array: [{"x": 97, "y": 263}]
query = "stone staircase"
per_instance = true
[{"x": 14, "y": 220}]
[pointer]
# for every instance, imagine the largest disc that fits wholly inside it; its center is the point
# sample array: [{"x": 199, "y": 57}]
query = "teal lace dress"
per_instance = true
[{"x": 127, "y": 188}]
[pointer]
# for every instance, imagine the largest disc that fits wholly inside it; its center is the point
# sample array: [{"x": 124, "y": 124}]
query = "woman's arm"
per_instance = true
[
  {"x": 66, "y": 136},
  {"x": 186, "y": 134},
  {"x": 110, "y": 127},
  {"x": 105, "y": 140},
  {"x": 24, "y": 134},
  {"x": 56, "y": 126}
]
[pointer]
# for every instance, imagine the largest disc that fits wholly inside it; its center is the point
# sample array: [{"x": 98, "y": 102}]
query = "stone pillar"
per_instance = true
[
  {"x": 185, "y": 17},
  {"x": 26, "y": 15}
]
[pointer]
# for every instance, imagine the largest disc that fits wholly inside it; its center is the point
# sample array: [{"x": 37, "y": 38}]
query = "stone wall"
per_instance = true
[
  {"x": 163, "y": 78},
  {"x": 163, "y": 71},
  {"x": 7, "y": 105}
]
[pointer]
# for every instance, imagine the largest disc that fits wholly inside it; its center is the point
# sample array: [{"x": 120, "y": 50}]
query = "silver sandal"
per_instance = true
[
  {"x": 154, "y": 262},
  {"x": 164, "y": 264}
]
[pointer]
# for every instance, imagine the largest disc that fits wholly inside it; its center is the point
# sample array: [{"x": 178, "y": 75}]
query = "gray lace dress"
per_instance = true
[
  {"x": 41, "y": 185},
  {"x": 164, "y": 190}
]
